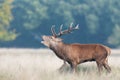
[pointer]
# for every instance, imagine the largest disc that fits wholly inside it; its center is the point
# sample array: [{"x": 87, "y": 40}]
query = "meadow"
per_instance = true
[{"x": 43, "y": 64}]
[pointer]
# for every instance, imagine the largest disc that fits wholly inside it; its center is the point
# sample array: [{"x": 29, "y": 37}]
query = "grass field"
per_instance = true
[{"x": 42, "y": 64}]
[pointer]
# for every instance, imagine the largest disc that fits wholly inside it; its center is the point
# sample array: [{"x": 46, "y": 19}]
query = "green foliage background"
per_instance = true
[
  {"x": 5, "y": 18},
  {"x": 99, "y": 21}
]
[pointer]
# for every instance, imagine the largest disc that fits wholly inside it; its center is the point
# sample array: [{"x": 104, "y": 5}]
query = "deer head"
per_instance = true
[{"x": 54, "y": 39}]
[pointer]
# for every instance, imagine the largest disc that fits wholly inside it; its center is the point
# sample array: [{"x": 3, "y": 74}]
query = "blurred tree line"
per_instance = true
[
  {"x": 23, "y": 21},
  {"x": 5, "y": 18}
]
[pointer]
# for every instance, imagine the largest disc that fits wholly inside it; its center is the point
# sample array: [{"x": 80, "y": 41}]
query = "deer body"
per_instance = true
[{"x": 77, "y": 53}]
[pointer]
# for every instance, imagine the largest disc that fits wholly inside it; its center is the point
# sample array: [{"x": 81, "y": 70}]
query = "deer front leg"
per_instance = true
[
  {"x": 73, "y": 67},
  {"x": 61, "y": 69}
]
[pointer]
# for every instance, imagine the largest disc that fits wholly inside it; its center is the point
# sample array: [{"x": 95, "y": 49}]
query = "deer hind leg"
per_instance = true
[
  {"x": 106, "y": 66},
  {"x": 99, "y": 65}
]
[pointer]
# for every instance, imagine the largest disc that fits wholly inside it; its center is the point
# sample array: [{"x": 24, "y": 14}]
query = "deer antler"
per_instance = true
[
  {"x": 69, "y": 30},
  {"x": 53, "y": 31}
]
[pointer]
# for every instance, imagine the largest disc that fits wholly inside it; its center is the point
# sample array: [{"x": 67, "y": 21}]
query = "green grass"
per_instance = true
[{"x": 38, "y": 64}]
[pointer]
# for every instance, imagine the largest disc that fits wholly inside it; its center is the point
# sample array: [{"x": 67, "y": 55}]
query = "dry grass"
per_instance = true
[{"x": 42, "y": 64}]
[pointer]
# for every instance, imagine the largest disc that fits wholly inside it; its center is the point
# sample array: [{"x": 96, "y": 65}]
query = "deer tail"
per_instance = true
[{"x": 108, "y": 50}]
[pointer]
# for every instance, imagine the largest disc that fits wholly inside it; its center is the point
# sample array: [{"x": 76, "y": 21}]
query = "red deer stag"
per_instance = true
[{"x": 77, "y": 53}]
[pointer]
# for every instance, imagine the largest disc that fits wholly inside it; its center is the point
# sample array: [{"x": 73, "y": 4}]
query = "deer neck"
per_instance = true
[
  {"x": 59, "y": 49},
  {"x": 57, "y": 46}
]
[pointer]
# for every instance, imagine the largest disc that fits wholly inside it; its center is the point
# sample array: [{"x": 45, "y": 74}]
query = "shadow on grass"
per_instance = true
[
  {"x": 89, "y": 69},
  {"x": 80, "y": 68}
]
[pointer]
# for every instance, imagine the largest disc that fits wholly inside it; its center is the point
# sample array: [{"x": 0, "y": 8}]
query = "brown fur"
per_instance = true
[{"x": 76, "y": 53}]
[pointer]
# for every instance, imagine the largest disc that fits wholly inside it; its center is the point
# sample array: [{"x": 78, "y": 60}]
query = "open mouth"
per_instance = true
[{"x": 44, "y": 39}]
